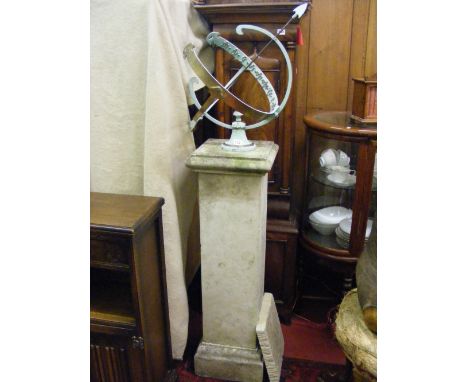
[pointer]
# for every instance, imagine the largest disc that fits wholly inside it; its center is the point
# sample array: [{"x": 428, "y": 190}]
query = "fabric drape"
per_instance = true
[{"x": 139, "y": 116}]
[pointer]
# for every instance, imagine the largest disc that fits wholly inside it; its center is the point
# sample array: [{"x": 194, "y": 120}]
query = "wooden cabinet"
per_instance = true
[
  {"x": 335, "y": 250},
  {"x": 282, "y": 231},
  {"x": 280, "y": 265},
  {"x": 130, "y": 338}
]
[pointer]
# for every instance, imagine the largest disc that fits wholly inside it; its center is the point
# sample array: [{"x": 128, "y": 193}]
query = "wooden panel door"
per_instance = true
[
  {"x": 116, "y": 359},
  {"x": 150, "y": 296},
  {"x": 280, "y": 267}
]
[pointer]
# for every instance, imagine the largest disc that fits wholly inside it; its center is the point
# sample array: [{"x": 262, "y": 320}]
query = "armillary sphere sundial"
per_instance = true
[{"x": 218, "y": 91}]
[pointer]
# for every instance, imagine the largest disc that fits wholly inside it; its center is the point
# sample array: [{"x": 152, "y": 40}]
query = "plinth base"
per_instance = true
[{"x": 230, "y": 363}]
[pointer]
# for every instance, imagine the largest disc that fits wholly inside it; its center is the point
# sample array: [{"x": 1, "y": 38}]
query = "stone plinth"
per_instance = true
[
  {"x": 233, "y": 205},
  {"x": 270, "y": 337}
]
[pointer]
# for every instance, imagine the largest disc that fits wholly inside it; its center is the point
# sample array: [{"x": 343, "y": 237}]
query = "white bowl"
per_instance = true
[
  {"x": 324, "y": 229},
  {"x": 331, "y": 215}
]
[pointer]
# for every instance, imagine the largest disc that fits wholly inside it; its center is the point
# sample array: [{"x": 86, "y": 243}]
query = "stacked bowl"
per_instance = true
[
  {"x": 326, "y": 220},
  {"x": 343, "y": 232}
]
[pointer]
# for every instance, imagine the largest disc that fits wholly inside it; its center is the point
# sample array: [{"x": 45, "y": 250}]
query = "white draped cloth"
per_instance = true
[{"x": 139, "y": 116}]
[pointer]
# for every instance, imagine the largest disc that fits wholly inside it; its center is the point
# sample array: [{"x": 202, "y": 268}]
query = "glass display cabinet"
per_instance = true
[{"x": 341, "y": 191}]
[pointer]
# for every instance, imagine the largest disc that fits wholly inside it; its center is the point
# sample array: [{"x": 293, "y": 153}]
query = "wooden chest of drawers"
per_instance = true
[{"x": 130, "y": 338}]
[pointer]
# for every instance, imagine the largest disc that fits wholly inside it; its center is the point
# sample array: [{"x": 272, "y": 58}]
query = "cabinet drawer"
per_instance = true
[{"x": 109, "y": 252}]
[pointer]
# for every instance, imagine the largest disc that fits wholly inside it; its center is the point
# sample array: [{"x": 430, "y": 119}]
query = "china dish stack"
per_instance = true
[
  {"x": 326, "y": 220},
  {"x": 332, "y": 157},
  {"x": 336, "y": 164},
  {"x": 343, "y": 232}
]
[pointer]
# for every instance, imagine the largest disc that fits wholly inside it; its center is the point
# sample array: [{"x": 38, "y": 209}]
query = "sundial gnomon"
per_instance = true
[{"x": 218, "y": 91}]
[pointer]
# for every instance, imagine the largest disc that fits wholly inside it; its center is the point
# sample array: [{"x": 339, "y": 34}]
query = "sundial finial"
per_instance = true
[{"x": 237, "y": 116}]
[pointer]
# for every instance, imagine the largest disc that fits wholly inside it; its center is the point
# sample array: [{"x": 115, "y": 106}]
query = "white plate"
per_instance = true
[
  {"x": 341, "y": 242},
  {"x": 342, "y": 179},
  {"x": 341, "y": 235},
  {"x": 331, "y": 169},
  {"x": 345, "y": 226}
]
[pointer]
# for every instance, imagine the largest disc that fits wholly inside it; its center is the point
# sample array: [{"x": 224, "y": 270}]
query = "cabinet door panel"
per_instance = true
[
  {"x": 113, "y": 359},
  {"x": 280, "y": 270},
  {"x": 274, "y": 267}
]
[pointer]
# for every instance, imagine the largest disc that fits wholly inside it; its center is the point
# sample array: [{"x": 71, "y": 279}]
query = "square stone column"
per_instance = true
[{"x": 233, "y": 207}]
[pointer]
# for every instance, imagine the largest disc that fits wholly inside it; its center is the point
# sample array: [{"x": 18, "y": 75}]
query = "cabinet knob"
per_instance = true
[{"x": 138, "y": 342}]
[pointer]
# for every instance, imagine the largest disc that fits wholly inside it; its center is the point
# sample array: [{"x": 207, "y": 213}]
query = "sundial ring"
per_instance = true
[
  {"x": 215, "y": 40},
  {"x": 218, "y": 91},
  {"x": 215, "y": 86}
]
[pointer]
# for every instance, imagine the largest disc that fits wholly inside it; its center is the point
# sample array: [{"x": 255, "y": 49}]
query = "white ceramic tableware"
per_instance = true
[
  {"x": 345, "y": 226},
  {"x": 341, "y": 242},
  {"x": 324, "y": 229},
  {"x": 341, "y": 234},
  {"x": 342, "y": 158},
  {"x": 342, "y": 178},
  {"x": 331, "y": 215},
  {"x": 328, "y": 158},
  {"x": 344, "y": 236},
  {"x": 339, "y": 169}
]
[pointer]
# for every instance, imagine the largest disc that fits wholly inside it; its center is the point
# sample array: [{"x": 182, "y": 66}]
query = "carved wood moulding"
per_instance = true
[{"x": 236, "y": 11}]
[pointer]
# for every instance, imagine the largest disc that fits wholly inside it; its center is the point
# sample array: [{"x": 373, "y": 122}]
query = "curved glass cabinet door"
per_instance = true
[{"x": 341, "y": 186}]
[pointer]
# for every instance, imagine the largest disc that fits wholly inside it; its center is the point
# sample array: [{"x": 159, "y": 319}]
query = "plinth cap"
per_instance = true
[{"x": 210, "y": 157}]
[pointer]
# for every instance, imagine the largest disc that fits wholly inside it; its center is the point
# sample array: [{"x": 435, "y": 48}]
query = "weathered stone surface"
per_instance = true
[
  {"x": 233, "y": 206},
  {"x": 232, "y": 230},
  {"x": 270, "y": 337},
  {"x": 210, "y": 157},
  {"x": 229, "y": 363}
]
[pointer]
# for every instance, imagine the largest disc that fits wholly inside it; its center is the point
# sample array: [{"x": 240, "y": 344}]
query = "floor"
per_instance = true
[{"x": 310, "y": 347}]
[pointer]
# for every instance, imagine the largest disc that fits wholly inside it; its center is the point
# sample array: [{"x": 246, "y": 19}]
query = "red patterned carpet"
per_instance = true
[
  {"x": 310, "y": 348},
  {"x": 309, "y": 344},
  {"x": 292, "y": 371},
  {"x": 311, "y": 341}
]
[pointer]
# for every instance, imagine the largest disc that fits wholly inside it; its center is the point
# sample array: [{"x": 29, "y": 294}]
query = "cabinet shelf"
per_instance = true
[
  {"x": 112, "y": 318},
  {"x": 109, "y": 266},
  {"x": 111, "y": 302},
  {"x": 326, "y": 241},
  {"x": 112, "y": 309}
]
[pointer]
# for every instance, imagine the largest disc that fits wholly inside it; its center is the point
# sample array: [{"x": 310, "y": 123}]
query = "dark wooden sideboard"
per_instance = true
[
  {"x": 130, "y": 338},
  {"x": 282, "y": 226}
]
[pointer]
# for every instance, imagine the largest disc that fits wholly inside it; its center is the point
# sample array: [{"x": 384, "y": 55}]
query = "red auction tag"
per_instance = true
[{"x": 299, "y": 38}]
